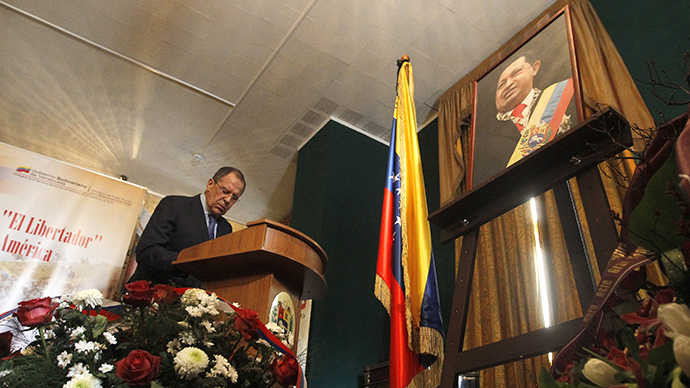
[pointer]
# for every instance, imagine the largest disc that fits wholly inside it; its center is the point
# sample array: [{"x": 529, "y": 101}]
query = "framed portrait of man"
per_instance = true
[{"x": 525, "y": 101}]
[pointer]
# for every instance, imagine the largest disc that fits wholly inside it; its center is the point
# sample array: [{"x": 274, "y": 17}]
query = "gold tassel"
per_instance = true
[{"x": 383, "y": 293}]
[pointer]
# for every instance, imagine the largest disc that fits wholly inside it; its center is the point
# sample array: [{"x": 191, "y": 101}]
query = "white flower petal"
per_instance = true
[
  {"x": 600, "y": 373},
  {"x": 676, "y": 319}
]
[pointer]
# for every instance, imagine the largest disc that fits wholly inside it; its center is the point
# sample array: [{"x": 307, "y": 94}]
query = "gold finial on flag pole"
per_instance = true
[{"x": 405, "y": 58}]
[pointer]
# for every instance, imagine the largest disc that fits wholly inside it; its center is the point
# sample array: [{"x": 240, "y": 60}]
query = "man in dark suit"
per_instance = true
[{"x": 181, "y": 222}]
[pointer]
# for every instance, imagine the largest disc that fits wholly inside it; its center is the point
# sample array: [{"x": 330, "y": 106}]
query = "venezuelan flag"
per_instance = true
[{"x": 406, "y": 273}]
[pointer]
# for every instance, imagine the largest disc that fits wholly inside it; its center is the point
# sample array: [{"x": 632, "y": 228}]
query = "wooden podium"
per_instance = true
[{"x": 253, "y": 265}]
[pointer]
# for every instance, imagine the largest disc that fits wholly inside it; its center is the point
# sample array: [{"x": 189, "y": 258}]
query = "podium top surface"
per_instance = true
[{"x": 264, "y": 247}]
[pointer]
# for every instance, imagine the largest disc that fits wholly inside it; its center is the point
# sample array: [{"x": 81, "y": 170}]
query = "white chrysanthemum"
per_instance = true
[
  {"x": 223, "y": 368},
  {"x": 232, "y": 374},
  {"x": 64, "y": 359},
  {"x": 190, "y": 361},
  {"x": 84, "y": 380},
  {"x": 88, "y": 298},
  {"x": 194, "y": 311},
  {"x": 173, "y": 346},
  {"x": 187, "y": 337},
  {"x": 211, "y": 309},
  {"x": 208, "y": 344},
  {"x": 77, "y": 332},
  {"x": 210, "y": 302},
  {"x": 220, "y": 367},
  {"x": 85, "y": 346},
  {"x": 208, "y": 325},
  {"x": 192, "y": 296},
  {"x": 77, "y": 370},
  {"x": 281, "y": 333},
  {"x": 105, "y": 368},
  {"x": 274, "y": 328},
  {"x": 263, "y": 342},
  {"x": 110, "y": 338},
  {"x": 198, "y": 302},
  {"x": 49, "y": 334}
]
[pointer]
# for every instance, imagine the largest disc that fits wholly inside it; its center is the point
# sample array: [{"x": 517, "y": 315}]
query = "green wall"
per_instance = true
[
  {"x": 645, "y": 30},
  {"x": 338, "y": 199}
]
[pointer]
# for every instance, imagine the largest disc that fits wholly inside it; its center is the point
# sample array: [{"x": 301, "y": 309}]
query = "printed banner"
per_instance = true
[{"x": 62, "y": 228}]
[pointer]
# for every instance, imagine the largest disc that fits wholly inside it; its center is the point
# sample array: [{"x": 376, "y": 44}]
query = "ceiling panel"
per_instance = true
[{"x": 138, "y": 88}]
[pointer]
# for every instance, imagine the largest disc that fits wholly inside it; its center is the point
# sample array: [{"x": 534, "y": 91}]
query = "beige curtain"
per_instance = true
[{"x": 503, "y": 301}]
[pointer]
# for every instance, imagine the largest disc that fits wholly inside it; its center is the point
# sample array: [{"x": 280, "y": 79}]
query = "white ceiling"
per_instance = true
[{"x": 139, "y": 87}]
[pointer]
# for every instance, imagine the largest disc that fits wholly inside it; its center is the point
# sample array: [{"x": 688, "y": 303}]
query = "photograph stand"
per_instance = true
[{"x": 573, "y": 154}]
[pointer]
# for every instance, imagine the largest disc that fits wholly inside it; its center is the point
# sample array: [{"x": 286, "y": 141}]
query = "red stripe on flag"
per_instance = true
[
  {"x": 403, "y": 363},
  {"x": 384, "y": 263}
]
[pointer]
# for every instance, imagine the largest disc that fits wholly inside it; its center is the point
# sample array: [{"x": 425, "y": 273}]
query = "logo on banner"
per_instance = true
[{"x": 23, "y": 169}]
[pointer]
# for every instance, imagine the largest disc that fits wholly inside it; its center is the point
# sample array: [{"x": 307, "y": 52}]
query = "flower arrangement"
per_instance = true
[
  {"x": 644, "y": 338},
  {"x": 648, "y": 347},
  {"x": 157, "y": 337}
]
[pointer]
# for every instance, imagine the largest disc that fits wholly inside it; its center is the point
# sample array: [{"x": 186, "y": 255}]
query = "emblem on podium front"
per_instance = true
[{"x": 283, "y": 313}]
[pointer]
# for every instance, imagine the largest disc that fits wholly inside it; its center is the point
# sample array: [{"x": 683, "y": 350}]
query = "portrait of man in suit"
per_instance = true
[
  {"x": 539, "y": 115},
  {"x": 524, "y": 102},
  {"x": 180, "y": 222}
]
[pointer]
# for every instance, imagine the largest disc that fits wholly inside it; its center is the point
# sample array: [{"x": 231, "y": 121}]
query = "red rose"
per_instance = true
[
  {"x": 138, "y": 286},
  {"x": 36, "y": 312},
  {"x": 247, "y": 323},
  {"x": 5, "y": 343},
  {"x": 139, "y": 293},
  {"x": 6, "y": 346},
  {"x": 285, "y": 371},
  {"x": 138, "y": 368},
  {"x": 164, "y": 294}
]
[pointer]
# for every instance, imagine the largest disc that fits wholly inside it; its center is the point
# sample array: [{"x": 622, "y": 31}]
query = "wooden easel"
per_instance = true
[{"x": 575, "y": 153}]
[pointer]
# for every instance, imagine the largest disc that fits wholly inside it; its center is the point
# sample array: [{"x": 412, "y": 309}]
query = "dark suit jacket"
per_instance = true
[{"x": 177, "y": 223}]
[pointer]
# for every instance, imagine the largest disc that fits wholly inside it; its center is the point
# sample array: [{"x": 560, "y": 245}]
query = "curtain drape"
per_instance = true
[{"x": 503, "y": 301}]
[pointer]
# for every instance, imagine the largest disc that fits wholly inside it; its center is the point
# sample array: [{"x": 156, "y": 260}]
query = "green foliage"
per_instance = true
[{"x": 653, "y": 223}]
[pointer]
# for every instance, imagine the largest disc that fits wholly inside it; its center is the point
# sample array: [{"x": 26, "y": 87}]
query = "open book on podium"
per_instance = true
[{"x": 254, "y": 265}]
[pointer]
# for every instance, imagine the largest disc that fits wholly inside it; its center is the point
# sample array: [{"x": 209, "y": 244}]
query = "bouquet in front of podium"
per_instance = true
[{"x": 158, "y": 337}]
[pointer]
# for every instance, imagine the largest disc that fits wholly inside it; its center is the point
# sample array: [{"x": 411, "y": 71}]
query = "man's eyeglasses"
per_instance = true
[{"x": 227, "y": 193}]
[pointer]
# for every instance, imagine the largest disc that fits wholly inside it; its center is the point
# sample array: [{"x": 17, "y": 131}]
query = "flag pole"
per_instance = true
[{"x": 405, "y": 274}]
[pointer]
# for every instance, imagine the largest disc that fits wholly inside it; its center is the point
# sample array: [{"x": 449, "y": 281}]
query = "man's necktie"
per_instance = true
[
  {"x": 211, "y": 227},
  {"x": 517, "y": 112}
]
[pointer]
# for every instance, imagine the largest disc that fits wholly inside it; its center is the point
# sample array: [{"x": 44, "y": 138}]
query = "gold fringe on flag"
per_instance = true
[{"x": 383, "y": 293}]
